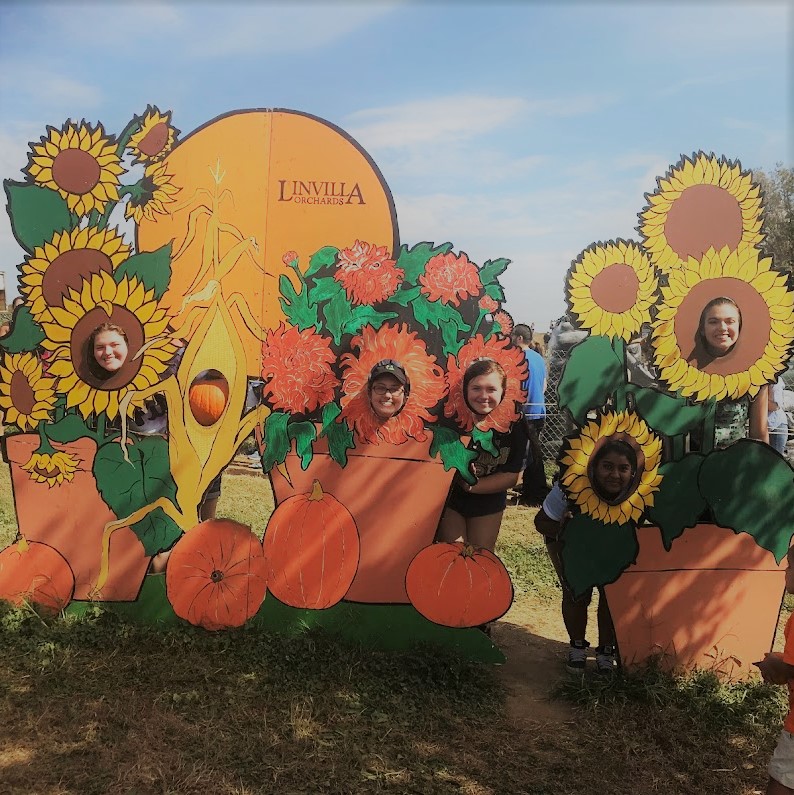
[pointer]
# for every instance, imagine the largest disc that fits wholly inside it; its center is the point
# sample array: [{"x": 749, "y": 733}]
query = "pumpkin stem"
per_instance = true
[
  {"x": 317, "y": 492},
  {"x": 22, "y": 545},
  {"x": 469, "y": 551}
]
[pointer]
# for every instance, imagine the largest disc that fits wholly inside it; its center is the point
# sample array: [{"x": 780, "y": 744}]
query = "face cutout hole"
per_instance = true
[{"x": 615, "y": 469}]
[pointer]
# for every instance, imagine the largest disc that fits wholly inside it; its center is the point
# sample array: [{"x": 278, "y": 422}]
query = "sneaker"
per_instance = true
[
  {"x": 605, "y": 660},
  {"x": 577, "y": 656}
]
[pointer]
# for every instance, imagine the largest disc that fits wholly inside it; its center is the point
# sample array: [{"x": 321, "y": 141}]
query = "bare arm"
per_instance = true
[
  {"x": 759, "y": 414},
  {"x": 490, "y": 484}
]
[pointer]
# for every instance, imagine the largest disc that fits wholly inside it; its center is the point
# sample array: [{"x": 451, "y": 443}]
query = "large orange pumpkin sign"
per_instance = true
[
  {"x": 458, "y": 585},
  {"x": 312, "y": 550},
  {"x": 36, "y": 573},
  {"x": 216, "y": 575}
]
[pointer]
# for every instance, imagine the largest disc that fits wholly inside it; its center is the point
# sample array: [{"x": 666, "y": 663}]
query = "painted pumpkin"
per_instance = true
[
  {"x": 458, "y": 585},
  {"x": 216, "y": 575},
  {"x": 208, "y": 399},
  {"x": 312, "y": 550},
  {"x": 36, "y": 573}
]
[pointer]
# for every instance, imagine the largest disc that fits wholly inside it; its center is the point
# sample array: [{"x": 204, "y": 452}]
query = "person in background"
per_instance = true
[
  {"x": 533, "y": 487},
  {"x": 776, "y": 419},
  {"x": 778, "y": 669}
]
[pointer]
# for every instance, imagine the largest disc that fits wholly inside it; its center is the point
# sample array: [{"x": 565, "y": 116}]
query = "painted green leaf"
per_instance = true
[
  {"x": 25, "y": 336},
  {"x": 595, "y": 554},
  {"x": 750, "y": 488},
  {"x": 667, "y": 414},
  {"x": 495, "y": 291},
  {"x": 413, "y": 260},
  {"x": 296, "y": 306},
  {"x": 337, "y": 313},
  {"x": 320, "y": 259},
  {"x": 277, "y": 443},
  {"x": 678, "y": 504},
  {"x": 447, "y": 444},
  {"x": 324, "y": 289},
  {"x": 366, "y": 316},
  {"x": 405, "y": 296},
  {"x": 484, "y": 440},
  {"x": 431, "y": 313},
  {"x": 491, "y": 269},
  {"x": 157, "y": 531},
  {"x": 152, "y": 268},
  {"x": 449, "y": 334},
  {"x": 592, "y": 373},
  {"x": 304, "y": 434},
  {"x": 126, "y": 487},
  {"x": 36, "y": 213},
  {"x": 339, "y": 435},
  {"x": 68, "y": 429}
]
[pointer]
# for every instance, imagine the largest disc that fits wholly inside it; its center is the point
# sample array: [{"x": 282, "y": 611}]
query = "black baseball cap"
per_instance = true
[{"x": 389, "y": 367}]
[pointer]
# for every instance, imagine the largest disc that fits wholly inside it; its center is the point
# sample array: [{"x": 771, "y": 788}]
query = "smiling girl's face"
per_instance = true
[
  {"x": 613, "y": 474},
  {"x": 110, "y": 350},
  {"x": 386, "y": 396},
  {"x": 484, "y": 393},
  {"x": 721, "y": 328}
]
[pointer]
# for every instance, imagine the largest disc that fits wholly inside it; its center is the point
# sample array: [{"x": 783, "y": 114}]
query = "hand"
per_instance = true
[{"x": 773, "y": 669}]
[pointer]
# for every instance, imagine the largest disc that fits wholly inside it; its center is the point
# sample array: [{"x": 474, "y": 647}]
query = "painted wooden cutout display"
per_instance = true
[
  {"x": 265, "y": 251},
  {"x": 691, "y": 553}
]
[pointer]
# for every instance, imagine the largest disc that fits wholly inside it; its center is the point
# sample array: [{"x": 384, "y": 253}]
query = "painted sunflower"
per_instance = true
[
  {"x": 62, "y": 263},
  {"x": 27, "y": 396},
  {"x": 368, "y": 274},
  {"x": 297, "y": 368},
  {"x": 703, "y": 202},
  {"x": 155, "y": 137},
  {"x": 611, "y": 288},
  {"x": 426, "y": 377},
  {"x": 52, "y": 468},
  {"x": 765, "y": 336},
  {"x": 149, "y": 197},
  {"x": 79, "y": 162},
  {"x": 515, "y": 366},
  {"x": 576, "y": 467},
  {"x": 127, "y": 304}
]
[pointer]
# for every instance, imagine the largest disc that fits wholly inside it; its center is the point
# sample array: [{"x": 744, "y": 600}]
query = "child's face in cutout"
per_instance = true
[
  {"x": 386, "y": 396},
  {"x": 612, "y": 475},
  {"x": 110, "y": 351},
  {"x": 484, "y": 393}
]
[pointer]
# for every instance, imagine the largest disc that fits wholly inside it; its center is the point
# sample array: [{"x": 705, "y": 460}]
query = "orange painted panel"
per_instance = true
[
  {"x": 71, "y": 517},
  {"x": 281, "y": 180}
]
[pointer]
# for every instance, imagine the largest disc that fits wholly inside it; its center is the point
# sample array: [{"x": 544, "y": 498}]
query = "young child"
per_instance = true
[
  {"x": 614, "y": 469},
  {"x": 778, "y": 669}
]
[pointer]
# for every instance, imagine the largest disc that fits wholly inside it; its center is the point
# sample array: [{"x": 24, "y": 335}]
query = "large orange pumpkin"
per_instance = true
[
  {"x": 216, "y": 575},
  {"x": 36, "y": 573},
  {"x": 312, "y": 550},
  {"x": 208, "y": 398},
  {"x": 458, "y": 585}
]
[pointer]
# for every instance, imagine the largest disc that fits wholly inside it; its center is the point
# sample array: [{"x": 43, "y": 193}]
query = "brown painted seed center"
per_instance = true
[
  {"x": 69, "y": 269},
  {"x": 22, "y": 394},
  {"x": 155, "y": 140},
  {"x": 615, "y": 289},
  {"x": 76, "y": 171}
]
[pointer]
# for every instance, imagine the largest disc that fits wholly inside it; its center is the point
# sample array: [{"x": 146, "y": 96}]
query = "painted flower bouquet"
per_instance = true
[{"x": 701, "y": 232}]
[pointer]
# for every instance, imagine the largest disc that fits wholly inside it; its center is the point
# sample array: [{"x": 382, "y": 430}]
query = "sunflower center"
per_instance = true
[
  {"x": 703, "y": 217},
  {"x": 69, "y": 269},
  {"x": 46, "y": 473},
  {"x": 615, "y": 289},
  {"x": 22, "y": 395},
  {"x": 76, "y": 171},
  {"x": 153, "y": 142}
]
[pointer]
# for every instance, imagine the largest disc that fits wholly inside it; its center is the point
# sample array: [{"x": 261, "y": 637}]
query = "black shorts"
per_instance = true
[
  {"x": 470, "y": 505},
  {"x": 213, "y": 491}
]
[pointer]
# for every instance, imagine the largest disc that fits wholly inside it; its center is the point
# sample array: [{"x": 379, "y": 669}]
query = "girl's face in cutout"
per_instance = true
[
  {"x": 110, "y": 350},
  {"x": 386, "y": 396},
  {"x": 721, "y": 328},
  {"x": 613, "y": 475},
  {"x": 484, "y": 393}
]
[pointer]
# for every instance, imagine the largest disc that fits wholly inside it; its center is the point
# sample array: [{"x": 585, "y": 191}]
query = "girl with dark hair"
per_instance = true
[
  {"x": 719, "y": 327},
  {"x": 473, "y": 513}
]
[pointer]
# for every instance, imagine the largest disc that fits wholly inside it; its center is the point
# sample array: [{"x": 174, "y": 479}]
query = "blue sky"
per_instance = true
[{"x": 522, "y": 130}]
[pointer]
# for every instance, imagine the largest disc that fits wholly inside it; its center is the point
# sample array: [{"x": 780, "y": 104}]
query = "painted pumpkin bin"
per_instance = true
[
  {"x": 692, "y": 553},
  {"x": 262, "y": 248}
]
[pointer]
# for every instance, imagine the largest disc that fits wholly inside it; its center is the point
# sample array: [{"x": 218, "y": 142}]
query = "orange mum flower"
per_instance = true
[
  {"x": 450, "y": 279},
  {"x": 505, "y": 322},
  {"x": 515, "y": 367},
  {"x": 427, "y": 384},
  {"x": 296, "y": 366},
  {"x": 487, "y": 304},
  {"x": 367, "y": 273}
]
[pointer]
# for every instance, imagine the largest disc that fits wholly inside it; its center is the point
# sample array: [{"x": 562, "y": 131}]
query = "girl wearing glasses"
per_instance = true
[{"x": 388, "y": 387}]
